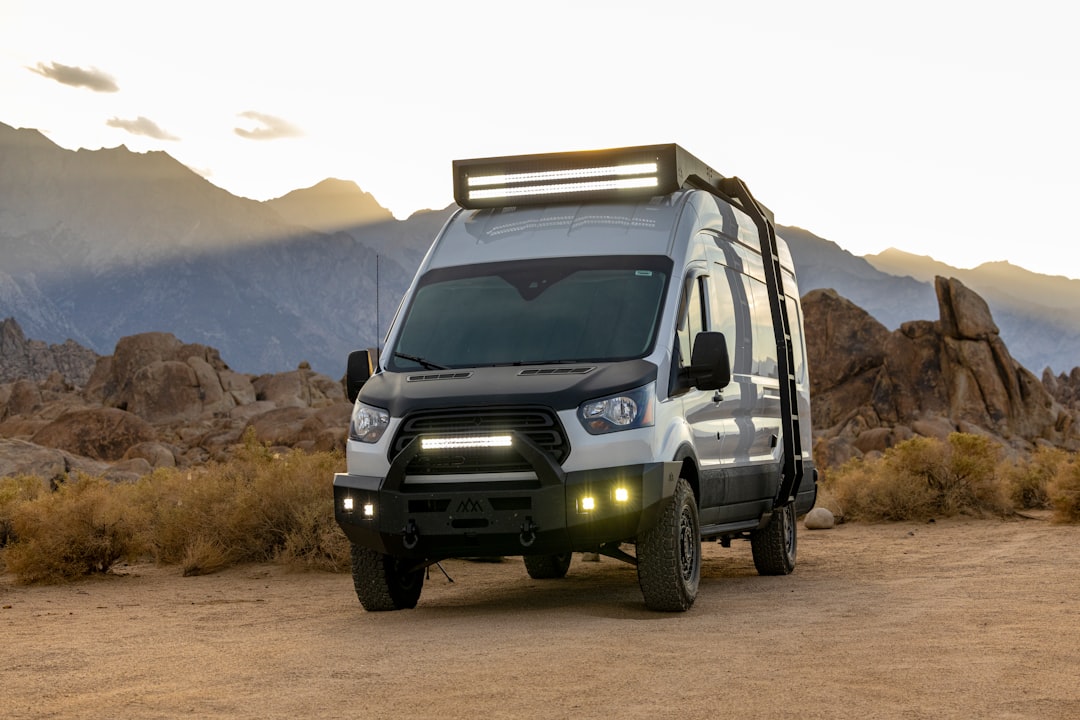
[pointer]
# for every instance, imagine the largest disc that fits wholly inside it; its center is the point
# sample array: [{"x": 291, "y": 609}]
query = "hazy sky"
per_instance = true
[{"x": 942, "y": 128}]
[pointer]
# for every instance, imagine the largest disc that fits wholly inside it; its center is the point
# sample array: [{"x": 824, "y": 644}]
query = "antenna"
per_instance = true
[{"x": 378, "y": 331}]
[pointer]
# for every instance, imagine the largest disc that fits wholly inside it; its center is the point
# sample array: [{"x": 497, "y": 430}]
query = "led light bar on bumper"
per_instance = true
[{"x": 631, "y": 173}]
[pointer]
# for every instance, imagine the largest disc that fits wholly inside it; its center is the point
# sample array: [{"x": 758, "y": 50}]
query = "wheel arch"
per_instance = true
[{"x": 685, "y": 454}]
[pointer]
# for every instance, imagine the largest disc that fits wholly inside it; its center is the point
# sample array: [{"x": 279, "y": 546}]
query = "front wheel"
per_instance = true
[
  {"x": 669, "y": 555},
  {"x": 774, "y": 545},
  {"x": 384, "y": 582}
]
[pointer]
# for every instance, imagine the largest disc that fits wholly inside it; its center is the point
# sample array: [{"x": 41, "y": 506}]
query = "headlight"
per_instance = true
[
  {"x": 368, "y": 423},
  {"x": 625, "y": 411}
]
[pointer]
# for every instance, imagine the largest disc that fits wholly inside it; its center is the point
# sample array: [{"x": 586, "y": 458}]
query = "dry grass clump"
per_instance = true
[
  {"x": 1064, "y": 492},
  {"x": 14, "y": 491},
  {"x": 256, "y": 507},
  {"x": 84, "y": 527},
  {"x": 922, "y": 478},
  {"x": 1029, "y": 478}
]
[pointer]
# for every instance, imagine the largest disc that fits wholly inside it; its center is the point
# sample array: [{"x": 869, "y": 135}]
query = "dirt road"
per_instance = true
[{"x": 958, "y": 618}]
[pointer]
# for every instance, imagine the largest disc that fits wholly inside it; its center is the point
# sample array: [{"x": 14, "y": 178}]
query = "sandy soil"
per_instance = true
[{"x": 959, "y": 618}]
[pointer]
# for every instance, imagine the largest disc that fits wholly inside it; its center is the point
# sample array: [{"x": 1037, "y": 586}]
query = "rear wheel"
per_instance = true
[
  {"x": 669, "y": 555},
  {"x": 547, "y": 567},
  {"x": 775, "y": 544},
  {"x": 384, "y": 582}
]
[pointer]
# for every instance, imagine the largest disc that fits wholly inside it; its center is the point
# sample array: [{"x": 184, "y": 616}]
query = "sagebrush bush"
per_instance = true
[
  {"x": 256, "y": 507},
  {"x": 14, "y": 491},
  {"x": 84, "y": 527},
  {"x": 1029, "y": 478},
  {"x": 921, "y": 478},
  {"x": 1064, "y": 492}
]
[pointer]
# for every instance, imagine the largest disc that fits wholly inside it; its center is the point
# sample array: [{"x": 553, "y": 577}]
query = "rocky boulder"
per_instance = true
[
  {"x": 299, "y": 388},
  {"x": 872, "y": 389},
  {"x": 20, "y": 457},
  {"x": 34, "y": 360},
  {"x": 96, "y": 433},
  {"x": 159, "y": 402},
  {"x": 1065, "y": 388},
  {"x": 163, "y": 380}
]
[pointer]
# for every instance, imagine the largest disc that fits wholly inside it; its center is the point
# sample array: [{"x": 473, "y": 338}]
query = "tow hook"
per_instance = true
[
  {"x": 412, "y": 535},
  {"x": 528, "y": 532}
]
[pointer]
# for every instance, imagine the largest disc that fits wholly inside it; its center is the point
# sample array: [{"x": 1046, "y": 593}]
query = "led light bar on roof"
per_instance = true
[
  {"x": 632, "y": 173},
  {"x": 554, "y": 175},
  {"x": 592, "y": 186}
]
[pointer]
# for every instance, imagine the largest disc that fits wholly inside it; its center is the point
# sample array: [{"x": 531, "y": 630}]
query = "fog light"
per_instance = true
[
  {"x": 622, "y": 494},
  {"x": 369, "y": 510},
  {"x": 588, "y": 503},
  {"x": 346, "y": 504}
]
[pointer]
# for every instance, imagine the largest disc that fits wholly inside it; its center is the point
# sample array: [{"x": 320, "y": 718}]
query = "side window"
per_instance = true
[
  {"x": 795, "y": 323},
  {"x": 722, "y": 304},
  {"x": 691, "y": 320},
  {"x": 742, "y": 340},
  {"x": 765, "y": 362}
]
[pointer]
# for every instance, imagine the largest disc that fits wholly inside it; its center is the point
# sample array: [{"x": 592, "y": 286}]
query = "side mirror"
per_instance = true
[
  {"x": 710, "y": 367},
  {"x": 360, "y": 368}
]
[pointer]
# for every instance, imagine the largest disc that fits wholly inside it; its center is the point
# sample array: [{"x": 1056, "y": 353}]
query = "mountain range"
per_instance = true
[{"x": 103, "y": 244}]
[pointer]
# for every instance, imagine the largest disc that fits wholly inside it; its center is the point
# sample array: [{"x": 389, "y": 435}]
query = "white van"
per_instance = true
[{"x": 601, "y": 352}]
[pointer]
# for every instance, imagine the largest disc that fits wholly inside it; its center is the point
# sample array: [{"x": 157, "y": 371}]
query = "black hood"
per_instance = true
[{"x": 559, "y": 387}]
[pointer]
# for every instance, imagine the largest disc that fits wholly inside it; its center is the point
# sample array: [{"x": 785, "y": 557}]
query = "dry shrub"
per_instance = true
[
  {"x": 923, "y": 477},
  {"x": 316, "y": 542},
  {"x": 864, "y": 491},
  {"x": 1028, "y": 479},
  {"x": 256, "y": 507},
  {"x": 84, "y": 527},
  {"x": 1064, "y": 492},
  {"x": 14, "y": 491}
]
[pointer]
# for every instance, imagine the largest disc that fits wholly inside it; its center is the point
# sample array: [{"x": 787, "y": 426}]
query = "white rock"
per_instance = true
[{"x": 819, "y": 519}]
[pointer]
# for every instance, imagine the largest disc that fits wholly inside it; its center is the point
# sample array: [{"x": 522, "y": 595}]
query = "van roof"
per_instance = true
[{"x": 542, "y": 231}]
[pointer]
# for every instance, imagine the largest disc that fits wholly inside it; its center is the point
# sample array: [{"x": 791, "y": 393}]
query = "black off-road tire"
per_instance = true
[
  {"x": 547, "y": 567},
  {"x": 669, "y": 555},
  {"x": 775, "y": 544},
  {"x": 384, "y": 582}
]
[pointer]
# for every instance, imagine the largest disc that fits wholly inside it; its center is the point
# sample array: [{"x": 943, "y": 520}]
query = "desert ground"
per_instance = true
[{"x": 958, "y": 618}]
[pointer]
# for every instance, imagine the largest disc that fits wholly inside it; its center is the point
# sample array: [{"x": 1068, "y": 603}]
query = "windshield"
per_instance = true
[{"x": 533, "y": 312}]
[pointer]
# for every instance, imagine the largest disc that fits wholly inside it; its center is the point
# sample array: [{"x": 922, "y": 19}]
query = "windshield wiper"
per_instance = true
[{"x": 420, "y": 361}]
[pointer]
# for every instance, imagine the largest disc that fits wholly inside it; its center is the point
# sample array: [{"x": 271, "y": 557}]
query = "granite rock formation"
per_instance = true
[
  {"x": 159, "y": 402},
  {"x": 872, "y": 388}
]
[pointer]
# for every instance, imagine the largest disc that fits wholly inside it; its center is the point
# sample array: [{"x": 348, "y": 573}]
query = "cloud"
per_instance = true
[
  {"x": 271, "y": 128},
  {"x": 93, "y": 78},
  {"x": 141, "y": 126}
]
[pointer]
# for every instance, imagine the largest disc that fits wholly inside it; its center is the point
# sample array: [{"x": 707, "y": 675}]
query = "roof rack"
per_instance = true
[{"x": 630, "y": 173}]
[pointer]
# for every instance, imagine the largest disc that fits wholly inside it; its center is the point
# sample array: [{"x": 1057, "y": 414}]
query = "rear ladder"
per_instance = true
[{"x": 791, "y": 476}]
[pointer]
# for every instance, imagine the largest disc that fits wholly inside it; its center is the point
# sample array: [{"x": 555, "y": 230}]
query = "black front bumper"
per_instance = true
[{"x": 541, "y": 516}]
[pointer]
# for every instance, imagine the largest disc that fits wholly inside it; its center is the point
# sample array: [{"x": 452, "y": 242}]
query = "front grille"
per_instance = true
[{"x": 540, "y": 425}]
